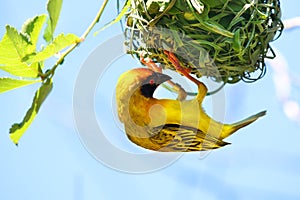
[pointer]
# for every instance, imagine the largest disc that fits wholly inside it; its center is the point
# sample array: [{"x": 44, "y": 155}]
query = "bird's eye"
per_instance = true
[{"x": 151, "y": 82}]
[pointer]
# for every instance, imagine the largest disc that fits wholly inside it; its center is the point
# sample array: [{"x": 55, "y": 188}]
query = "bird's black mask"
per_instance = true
[{"x": 152, "y": 82}]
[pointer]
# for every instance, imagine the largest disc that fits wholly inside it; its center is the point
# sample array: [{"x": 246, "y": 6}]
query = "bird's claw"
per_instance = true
[
  {"x": 150, "y": 64},
  {"x": 174, "y": 60},
  {"x": 183, "y": 71}
]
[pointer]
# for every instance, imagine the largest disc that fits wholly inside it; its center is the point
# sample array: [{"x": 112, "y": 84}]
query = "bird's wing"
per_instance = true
[{"x": 178, "y": 138}]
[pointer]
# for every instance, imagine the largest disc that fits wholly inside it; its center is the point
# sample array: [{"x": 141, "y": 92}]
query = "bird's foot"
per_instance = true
[
  {"x": 174, "y": 60},
  {"x": 150, "y": 64},
  {"x": 183, "y": 71}
]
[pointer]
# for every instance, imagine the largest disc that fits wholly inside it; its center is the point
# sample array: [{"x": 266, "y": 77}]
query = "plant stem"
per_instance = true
[
  {"x": 51, "y": 72},
  {"x": 96, "y": 20}
]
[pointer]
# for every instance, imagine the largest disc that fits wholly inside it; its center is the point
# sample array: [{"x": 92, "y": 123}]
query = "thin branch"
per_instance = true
[
  {"x": 71, "y": 48},
  {"x": 96, "y": 20}
]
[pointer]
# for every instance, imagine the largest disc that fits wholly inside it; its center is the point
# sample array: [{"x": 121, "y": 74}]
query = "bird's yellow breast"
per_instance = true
[{"x": 154, "y": 112}]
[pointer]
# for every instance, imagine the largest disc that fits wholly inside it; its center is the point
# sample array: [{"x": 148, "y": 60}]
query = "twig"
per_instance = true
[{"x": 51, "y": 71}]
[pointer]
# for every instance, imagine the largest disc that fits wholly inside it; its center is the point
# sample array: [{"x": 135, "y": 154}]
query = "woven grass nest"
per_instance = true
[{"x": 226, "y": 40}]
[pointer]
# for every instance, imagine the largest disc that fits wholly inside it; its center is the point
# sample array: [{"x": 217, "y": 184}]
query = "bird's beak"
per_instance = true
[{"x": 160, "y": 78}]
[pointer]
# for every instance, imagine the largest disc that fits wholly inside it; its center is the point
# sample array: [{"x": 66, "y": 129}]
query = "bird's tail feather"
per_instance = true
[{"x": 236, "y": 126}]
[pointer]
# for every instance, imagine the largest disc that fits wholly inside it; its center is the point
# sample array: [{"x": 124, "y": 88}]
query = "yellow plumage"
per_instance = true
[{"x": 167, "y": 124}]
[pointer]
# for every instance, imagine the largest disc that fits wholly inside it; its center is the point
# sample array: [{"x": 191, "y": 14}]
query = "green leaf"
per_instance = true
[
  {"x": 60, "y": 42},
  {"x": 32, "y": 27},
  {"x": 7, "y": 84},
  {"x": 17, "y": 130},
  {"x": 54, "y": 8},
  {"x": 14, "y": 47},
  {"x": 19, "y": 41},
  {"x": 118, "y": 18},
  {"x": 48, "y": 34},
  {"x": 237, "y": 41},
  {"x": 22, "y": 70}
]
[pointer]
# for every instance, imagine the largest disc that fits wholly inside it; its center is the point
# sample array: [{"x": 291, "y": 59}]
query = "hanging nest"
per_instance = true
[{"x": 226, "y": 40}]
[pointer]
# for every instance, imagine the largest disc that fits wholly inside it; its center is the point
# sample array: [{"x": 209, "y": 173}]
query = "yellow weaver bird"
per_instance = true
[{"x": 167, "y": 124}]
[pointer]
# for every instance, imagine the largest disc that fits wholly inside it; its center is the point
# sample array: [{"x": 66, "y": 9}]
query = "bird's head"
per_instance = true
[{"x": 139, "y": 82}]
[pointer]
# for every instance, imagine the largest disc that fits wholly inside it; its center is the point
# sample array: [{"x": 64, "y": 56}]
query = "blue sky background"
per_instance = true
[{"x": 263, "y": 161}]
